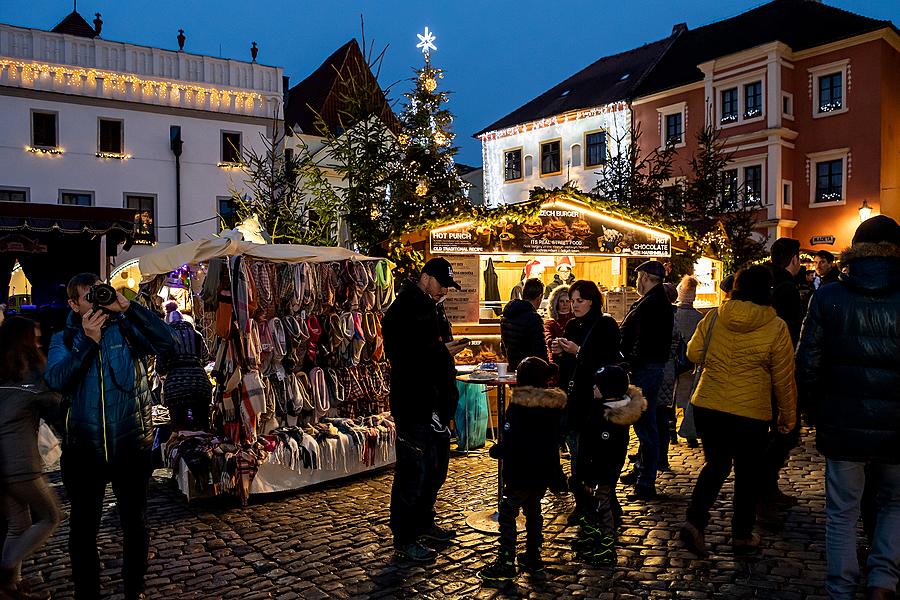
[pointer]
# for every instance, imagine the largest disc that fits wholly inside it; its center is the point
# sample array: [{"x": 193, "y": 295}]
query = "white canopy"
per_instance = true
[{"x": 231, "y": 243}]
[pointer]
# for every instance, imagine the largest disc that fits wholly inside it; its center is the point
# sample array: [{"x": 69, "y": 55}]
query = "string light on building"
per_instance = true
[
  {"x": 113, "y": 155},
  {"x": 45, "y": 151}
]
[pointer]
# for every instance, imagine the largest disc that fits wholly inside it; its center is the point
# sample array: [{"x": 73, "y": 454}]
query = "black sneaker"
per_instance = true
[
  {"x": 438, "y": 534},
  {"x": 415, "y": 552},
  {"x": 530, "y": 562},
  {"x": 502, "y": 570}
]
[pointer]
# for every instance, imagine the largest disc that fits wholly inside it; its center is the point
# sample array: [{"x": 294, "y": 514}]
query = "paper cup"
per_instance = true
[{"x": 501, "y": 369}]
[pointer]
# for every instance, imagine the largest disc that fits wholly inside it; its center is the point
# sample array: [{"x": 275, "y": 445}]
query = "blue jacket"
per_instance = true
[{"x": 105, "y": 386}]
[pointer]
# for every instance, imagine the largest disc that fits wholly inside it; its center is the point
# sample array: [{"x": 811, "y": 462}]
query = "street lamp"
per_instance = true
[{"x": 865, "y": 211}]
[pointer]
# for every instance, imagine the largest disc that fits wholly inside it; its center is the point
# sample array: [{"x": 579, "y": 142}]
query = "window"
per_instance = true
[
  {"x": 76, "y": 198},
  {"x": 145, "y": 205},
  {"x": 529, "y": 165},
  {"x": 729, "y": 106},
  {"x": 753, "y": 100},
  {"x": 13, "y": 194},
  {"x": 43, "y": 129},
  {"x": 829, "y": 181},
  {"x": 576, "y": 155},
  {"x": 671, "y": 195},
  {"x": 674, "y": 129},
  {"x": 787, "y": 194},
  {"x": 110, "y": 136},
  {"x": 550, "y": 160},
  {"x": 831, "y": 95},
  {"x": 787, "y": 105},
  {"x": 595, "y": 149},
  {"x": 753, "y": 185},
  {"x": 227, "y": 212},
  {"x": 512, "y": 165},
  {"x": 231, "y": 147},
  {"x": 730, "y": 189}
]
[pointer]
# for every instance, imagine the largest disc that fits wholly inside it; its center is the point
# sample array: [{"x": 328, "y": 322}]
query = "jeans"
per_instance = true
[
  {"x": 32, "y": 512},
  {"x": 665, "y": 426},
  {"x": 85, "y": 476},
  {"x": 844, "y": 484},
  {"x": 423, "y": 458},
  {"x": 529, "y": 502},
  {"x": 728, "y": 440},
  {"x": 648, "y": 378}
]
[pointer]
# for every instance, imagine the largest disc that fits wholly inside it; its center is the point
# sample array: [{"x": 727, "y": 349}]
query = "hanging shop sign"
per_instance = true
[
  {"x": 461, "y": 306},
  {"x": 21, "y": 243},
  {"x": 560, "y": 228},
  {"x": 821, "y": 239}
]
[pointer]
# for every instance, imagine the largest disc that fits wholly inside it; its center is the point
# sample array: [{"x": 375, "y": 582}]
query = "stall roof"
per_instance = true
[
  {"x": 48, "y": 218},
  {"x": 231, "y": 243}
]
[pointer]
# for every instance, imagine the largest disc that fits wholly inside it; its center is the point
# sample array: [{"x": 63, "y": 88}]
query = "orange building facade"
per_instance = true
[{"x": 814, "y": 134}]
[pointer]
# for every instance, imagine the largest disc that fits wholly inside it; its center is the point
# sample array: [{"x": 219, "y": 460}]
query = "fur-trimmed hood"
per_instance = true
[
  {"x": 870, "y": 250},
  {"x": 872, "y": 267},
  {"x": 630, "y": 412},
  {"x": 535, "y": 397}
]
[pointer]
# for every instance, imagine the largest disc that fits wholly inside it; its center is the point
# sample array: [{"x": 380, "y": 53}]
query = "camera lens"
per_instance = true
[{"x": 102, "y": 294}]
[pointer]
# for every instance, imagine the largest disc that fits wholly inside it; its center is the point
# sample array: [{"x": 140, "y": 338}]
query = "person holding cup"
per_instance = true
[{"x": 591, "y": 341}]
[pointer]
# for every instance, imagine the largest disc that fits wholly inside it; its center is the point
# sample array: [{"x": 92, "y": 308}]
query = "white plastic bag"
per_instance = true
[{"x": 49, "y": 445}]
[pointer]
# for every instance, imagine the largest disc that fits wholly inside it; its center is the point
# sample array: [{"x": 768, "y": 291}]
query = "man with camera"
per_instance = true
[{"x": 99, "y": 363}]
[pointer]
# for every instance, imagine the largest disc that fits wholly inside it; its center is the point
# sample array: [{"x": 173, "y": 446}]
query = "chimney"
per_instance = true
[
  {"x": 98, "y": 23},
  {"x": 181, "y": 39},
  {"x": 679, "y": 28},
  {"x": 254, "y": 51}
]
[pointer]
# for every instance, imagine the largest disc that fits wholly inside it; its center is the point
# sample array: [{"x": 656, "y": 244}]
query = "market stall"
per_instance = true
[
  {"x": 562, "y": 241},
  {"x": 301, "y": 381}
]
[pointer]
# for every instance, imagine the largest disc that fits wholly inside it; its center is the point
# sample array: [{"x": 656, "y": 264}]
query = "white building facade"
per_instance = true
[{"x": 89, "y": 122}]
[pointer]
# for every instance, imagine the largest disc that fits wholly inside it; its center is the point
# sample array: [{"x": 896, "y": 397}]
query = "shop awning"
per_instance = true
[
  {"x": 39, "y": 218},
  {"x": 231, "y": 243}
]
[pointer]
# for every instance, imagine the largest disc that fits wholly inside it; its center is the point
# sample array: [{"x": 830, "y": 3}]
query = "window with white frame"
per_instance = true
[
  {"x": 787, "y": 190},
  {"x": 551, "y": 163},
  {"x": 512, "y": 165},
  {"x": 787, "y": 105},
  {"x": 753, "y": 100},
  {"x": 743, "y": 185},
  {"x": 828, "y": 177},
  {"x": 672, "y": 124},
  {"x": 227, "y": 212},
  {"x": 76, "y": 198},
  {"x": 829, "y": 86},
  {"x": 10, "y": 194},
  {"x": 741, "y": 99},
  {"x": 753, "y": 185},
  {"x": 730, "y": 189},
  {"x": 729, "y": 106}
]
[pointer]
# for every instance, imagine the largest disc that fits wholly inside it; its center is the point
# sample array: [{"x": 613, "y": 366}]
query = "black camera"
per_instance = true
[{"x": 101, "y": 294}]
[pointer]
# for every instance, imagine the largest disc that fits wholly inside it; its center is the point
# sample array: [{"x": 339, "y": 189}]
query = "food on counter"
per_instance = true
[{"x": 466, "y": 357}]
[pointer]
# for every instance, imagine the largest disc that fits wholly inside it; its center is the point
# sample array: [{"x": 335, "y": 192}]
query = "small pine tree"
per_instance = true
[{"x": 429, "y": 185}]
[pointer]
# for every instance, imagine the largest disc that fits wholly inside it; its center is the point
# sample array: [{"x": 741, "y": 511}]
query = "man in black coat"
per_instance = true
[
  {"x": 646, "y": 343},
  {"x": 848, "y": 368},
  {"x": 786, "y": 300},
  {"x": 521, "y": 328},
  {"x": 423, "y": 399}
]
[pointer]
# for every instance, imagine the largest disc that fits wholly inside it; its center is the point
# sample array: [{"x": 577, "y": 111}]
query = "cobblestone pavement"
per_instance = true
[{"x": 334, "y": 542}]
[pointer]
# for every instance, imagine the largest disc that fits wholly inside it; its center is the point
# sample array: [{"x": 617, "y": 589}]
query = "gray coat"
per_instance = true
[
  {"x": 686, "y": 320},
  {"x": 22, "y": 405}
]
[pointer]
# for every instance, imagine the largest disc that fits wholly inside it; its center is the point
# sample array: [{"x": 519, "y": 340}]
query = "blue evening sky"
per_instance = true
[{"x": 497, "y": 54}]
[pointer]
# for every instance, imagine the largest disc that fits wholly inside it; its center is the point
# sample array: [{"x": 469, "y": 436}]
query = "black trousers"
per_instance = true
[
  {"x": 665, "y": 425},
  {"x": 85, "y": 476},
  {"x": 529, "y": 502},
  {"x": 777, "y": 452},
  {"x": 728, "y": 441},
  {"x": 423, "y": 457}
]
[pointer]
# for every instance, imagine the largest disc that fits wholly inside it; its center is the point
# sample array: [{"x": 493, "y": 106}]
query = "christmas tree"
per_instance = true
[{"x": 429, "y": 186}]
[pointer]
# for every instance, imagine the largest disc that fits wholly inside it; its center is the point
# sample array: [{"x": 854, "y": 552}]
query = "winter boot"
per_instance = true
[
  {"x": 530, "y": 561},
  {"x": 501, "y": 571}
]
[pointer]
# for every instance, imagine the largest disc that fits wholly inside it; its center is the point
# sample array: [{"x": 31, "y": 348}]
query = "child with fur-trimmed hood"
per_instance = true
[
  {"x": 530, "y": 453},
  {"x": 601, "y": 455}
]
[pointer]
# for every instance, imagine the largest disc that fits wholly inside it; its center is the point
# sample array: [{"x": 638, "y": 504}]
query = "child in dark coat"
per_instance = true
[
  {"x": 601, "y": 456},
  {"x": 530, "y": 454}
]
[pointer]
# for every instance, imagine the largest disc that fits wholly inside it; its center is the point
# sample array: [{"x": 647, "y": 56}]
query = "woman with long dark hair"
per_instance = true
[
  {"x": 591, "y": 341},
  {"x": 29, "y": 505}
]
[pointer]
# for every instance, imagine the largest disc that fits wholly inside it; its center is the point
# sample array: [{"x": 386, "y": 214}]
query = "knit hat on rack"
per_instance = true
[{"x": 536, "y": 372}]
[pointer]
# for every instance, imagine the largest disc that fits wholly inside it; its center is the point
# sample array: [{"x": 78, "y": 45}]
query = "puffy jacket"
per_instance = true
[
  {"x": 522, "y": 332},
  {"x": 22, "y": 405},
  {"x": 603, "y": 443},
  {"x": 848, "y": 359},
  {"x": 647, "y": 329},
  {"x": 422, "y": 369},
  {"x": 530, "y": 447},
  {"x": 105, "y": 386},
  {"x": 749, "y": 355}
]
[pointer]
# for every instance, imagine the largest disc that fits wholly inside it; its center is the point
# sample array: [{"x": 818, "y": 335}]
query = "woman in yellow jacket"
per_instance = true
[{"x": 749, "y": 359}]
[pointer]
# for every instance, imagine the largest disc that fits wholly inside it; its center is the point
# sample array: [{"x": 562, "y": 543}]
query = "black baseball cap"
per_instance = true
[{"x": 442, "y": 270}]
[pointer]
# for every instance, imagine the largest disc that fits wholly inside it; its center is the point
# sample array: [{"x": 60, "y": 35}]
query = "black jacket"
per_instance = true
[
  {"x": 576, "y": 373},
  {"x": 530, "y": 446},
  {"x": 848, "y": 360},
  {"x": 603, "y": 442},
  {"x": 647, "y": 329},
  {"x": 831, "y": 276},
  {"x": 422, "y": 369},
  {"x": 786, "y": 300},
  {"x": 522, "y": 332}
]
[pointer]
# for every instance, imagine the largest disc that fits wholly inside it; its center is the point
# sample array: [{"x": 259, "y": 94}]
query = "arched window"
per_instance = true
[
  {"x": 576, "y": 155},
  {"x": 528, "y": 165}
]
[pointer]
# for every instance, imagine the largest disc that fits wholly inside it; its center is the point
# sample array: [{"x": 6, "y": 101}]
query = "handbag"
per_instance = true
[{"x": 698, "y": 370}]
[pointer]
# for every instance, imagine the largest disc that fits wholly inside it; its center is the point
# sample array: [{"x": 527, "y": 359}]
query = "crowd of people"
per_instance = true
[{"x": 743, "y": 374}]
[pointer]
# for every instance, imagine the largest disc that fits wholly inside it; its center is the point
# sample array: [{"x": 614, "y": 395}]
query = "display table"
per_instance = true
[{"x": 487, "y": 521}]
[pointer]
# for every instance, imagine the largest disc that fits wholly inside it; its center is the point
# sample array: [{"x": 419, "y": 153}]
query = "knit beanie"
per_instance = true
[
  {"x": 535, "y": 372},
  {"x": 671, "y": 292},
  {"x": 879, "y": 228},
  {"x": 612, "y": 381},
  {"x": 687, "y": 289}
]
